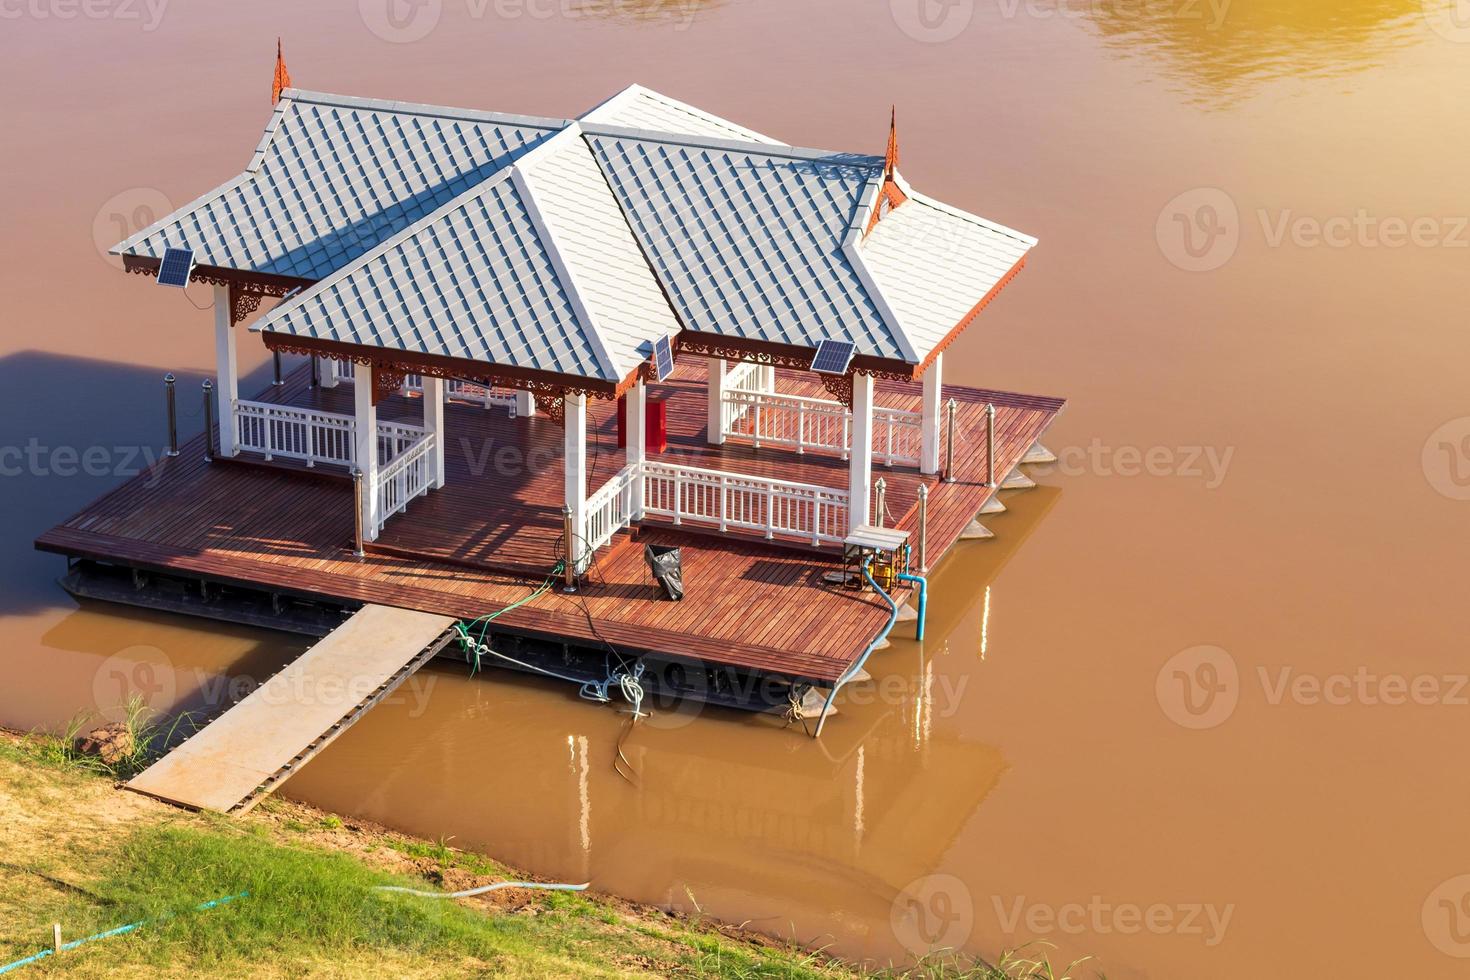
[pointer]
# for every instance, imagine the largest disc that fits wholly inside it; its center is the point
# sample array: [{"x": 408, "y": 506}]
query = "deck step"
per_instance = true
[
  {"x": 1017, "y": 481},
  {"x": 1039, "y": 454},
  {"x": 241, "y": 756},
  {"x": 975, "y": 531}
]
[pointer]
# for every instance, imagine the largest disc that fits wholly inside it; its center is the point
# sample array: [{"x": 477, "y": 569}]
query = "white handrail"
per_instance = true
[
  {"x": 816, "y": 424},
  {"x": 405, "y": 478},
  {"x": 294, "y": 433},
  {"x": 465, "y": 391},
  {"x": 610, "y": 509},
  {"x": 313, "y": 436},
  {"x": 756, "y": 503}
]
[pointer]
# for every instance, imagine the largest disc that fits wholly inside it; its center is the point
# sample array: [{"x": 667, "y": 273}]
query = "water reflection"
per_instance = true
[
  {"x": 735, "y": 815},
  {"x": 1221, "y": 51}
]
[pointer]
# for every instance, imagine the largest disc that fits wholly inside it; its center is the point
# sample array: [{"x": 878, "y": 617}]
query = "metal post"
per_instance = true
[
  {"x": 173, "y": 415},
  {"x": 276, "y": 364},
  {"x": 208, "y": 421},
  {"x": 881, "y": 487},
  {"x": 951, "y": 408},
  {"x": 990, "y": 444},
  {"x": 923, "y": 529},
  {"x": 316, "y": 375},
  {"x": 357, "y": 548},
  {"x": 570, "y": 573}
]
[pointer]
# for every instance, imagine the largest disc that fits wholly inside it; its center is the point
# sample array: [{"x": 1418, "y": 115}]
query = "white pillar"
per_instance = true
[
  {"x": 860, "y": 458},
  {"x": 327, "y": 368},
  {"x": 525, "y": 404},
  {"x": 930, "y": 409},
  {"x": 365, "y": 444},
  {"x": 574, "y": 465},
  {"x": 637, "y": 440},
  {"x": 434, "y": 425},
  {"x": 227, "y": 380},
  {"x": 716, "y": 373}
]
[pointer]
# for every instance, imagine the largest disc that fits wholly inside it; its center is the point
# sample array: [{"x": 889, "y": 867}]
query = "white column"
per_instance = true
[
  {"x": 366, "y": 447},
  {"x": 860, "y": 458},
  {"x": 525, "y": 404},
  {"x": 929, "y": 426},
  {"x": 716, "y": 374},
  {"x": 327, "y": 368},
  {"x": 227, "y": 379},
  {"x": 434, "y": 425},
  {"x": 637, "y": 440},
  {"x": 574, "y": 465}
]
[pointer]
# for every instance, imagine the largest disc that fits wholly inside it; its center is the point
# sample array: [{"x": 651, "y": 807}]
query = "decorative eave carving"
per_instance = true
[
  {"x": 839, "y": 386},
  {"x": 243, "y": 302},
  {"x": 553, "y": 405},
  {"x": 705, "y": 345}
]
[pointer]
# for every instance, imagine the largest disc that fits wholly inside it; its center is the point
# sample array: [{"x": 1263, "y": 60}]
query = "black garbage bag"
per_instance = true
[{"x": 666, "y": 564}]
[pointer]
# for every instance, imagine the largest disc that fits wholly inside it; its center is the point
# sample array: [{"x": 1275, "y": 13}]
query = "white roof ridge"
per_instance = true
[
  {"x": 382, "y": 247},
  {"x": 853, "y": 252},
  {"x": 950, "y": 209},
  {"x": 520, "y": 174},
  {"x": 634, "y": 91},
  {"x": 421, "y": 109},
  {"x": 715, "y": 143}
]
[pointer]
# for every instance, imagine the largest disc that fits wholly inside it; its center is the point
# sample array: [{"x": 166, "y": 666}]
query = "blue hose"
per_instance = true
[
  {"x": 923, "y": 601},
  {"x": 120, "y": 930},
  {"x": 852, "y": 671}
]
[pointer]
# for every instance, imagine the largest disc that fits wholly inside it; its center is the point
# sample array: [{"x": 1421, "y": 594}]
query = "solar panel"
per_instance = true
[
  {"x": 663, "y": 358},
  {"x": 833, "y": 357},
  {"x": 176, "y": 266}
]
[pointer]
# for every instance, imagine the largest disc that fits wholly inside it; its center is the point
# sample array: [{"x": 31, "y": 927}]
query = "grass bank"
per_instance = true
[{"x": 75, "y": 850}]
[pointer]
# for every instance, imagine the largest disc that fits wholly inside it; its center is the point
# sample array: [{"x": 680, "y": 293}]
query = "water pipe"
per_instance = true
[
  {"x": 852, "y": 671},
  {"x": 120, "y": 930},
  {"x": 483, "y": 889},
  {"x": 923, "y": 584}
]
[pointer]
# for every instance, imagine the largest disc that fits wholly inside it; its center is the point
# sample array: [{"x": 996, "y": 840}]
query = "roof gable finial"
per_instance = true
[
  {"x": 890, "y": 163},
  {"x": 282, "y": 79}
]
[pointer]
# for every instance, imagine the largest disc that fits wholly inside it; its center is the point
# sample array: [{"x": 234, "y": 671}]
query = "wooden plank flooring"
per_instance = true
[
  {"x": 299, "y": 710},
  {"x": 491, "y": 533}
]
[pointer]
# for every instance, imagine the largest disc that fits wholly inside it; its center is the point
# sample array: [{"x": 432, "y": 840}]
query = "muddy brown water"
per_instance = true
[{"x": 1196, "y": 711}]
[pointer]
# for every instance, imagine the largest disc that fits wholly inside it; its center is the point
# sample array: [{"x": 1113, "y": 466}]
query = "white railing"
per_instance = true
[
  {"x": 294, "y": 433},
  {"x": 464, "y": 391},
  {"x": 312, "y": 436},
  {"x": 817, "y": 425},
  {"x": 753, "y": 503},
  {"x": 405, "y": 478},
  {"x": 610, "y": 509}
]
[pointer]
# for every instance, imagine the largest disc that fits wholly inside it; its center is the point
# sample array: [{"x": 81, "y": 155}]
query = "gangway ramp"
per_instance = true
[{"x": 233, "y": 762}]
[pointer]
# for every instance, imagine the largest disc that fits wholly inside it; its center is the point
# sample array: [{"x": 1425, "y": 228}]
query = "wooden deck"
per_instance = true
[
  {"x": 236, "y": 759},
  {"x": 490, "y": 534}
]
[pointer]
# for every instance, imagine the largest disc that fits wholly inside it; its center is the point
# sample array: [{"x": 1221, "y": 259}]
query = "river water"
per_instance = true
[{"x": 1194, "y": 711}]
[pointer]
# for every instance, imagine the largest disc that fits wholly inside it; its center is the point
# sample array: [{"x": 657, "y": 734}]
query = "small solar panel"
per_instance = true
[
  {"x": 176, "y": 266},
  {"x": 833, "y": 357},
  {"x": 663, "y": 358}
]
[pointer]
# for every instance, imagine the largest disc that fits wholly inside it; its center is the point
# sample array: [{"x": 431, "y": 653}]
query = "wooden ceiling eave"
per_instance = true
[
  {"x": 545, "y": 385},
  {"x": 262, "y": 283}
]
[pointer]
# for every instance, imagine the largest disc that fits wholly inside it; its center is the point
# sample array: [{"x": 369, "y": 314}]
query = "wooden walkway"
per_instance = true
[
  {"x": 483, "y": 541},
  {"x": 235, "y": 760}
]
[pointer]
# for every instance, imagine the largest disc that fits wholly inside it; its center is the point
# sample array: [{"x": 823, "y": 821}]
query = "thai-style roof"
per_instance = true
[{"x": 567, "y": 247}]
